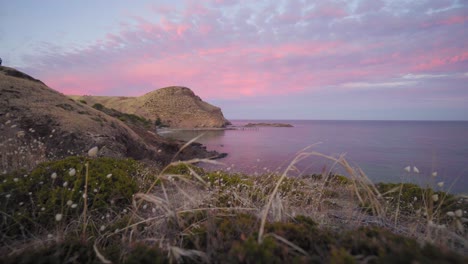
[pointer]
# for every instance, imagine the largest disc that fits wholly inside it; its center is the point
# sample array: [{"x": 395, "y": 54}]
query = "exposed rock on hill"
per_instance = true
[
  {"x": 174, "y": 106},
  {"x": 38, "y": 123}
]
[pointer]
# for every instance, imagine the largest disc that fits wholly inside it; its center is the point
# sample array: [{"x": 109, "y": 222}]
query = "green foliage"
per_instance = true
[
  {"x": 339, "y": 179},
  {"x": 331, "y": 179},
  {"x": 183, "y": 169},
  {"x": 35, "y": 199},
  {"x": 225, "y": 180},
  {"x": 83, "y": 101},
  {"x": 413, "y": 197},
  {"x": 131, "y": 119},
  {"x": 69, "y": 251},
  {"x": 341, "y": 256},
  {"x": 158, "y": 122},
  {"x": 142, "y": 254},
  {"x": 234, "y": 240},
  {"x": 227, "y": 184},
  {"x": 250, "y": 251},
  {"x": 67, "y": 107},
  {"x": 98, "y": 106},
  {"x": 384, "y": 246}
]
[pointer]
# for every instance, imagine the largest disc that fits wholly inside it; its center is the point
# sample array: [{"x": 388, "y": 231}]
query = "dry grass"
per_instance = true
[{"x": 181, "y": 201}]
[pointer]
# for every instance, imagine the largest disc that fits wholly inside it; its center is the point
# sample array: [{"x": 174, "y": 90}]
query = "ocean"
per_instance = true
[{"x": 382, "y": 149}]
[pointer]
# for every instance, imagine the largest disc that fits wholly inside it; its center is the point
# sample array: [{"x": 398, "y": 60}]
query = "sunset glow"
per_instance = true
[{"x": 357, "y": 59}]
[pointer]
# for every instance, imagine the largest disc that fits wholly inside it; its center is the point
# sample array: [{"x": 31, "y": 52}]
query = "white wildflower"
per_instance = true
[
  {"x": 54, "y": 176},
  {"x": 95, "y": 190},
  {"x": 159, "y": 151},
  {"x": 8, "y": 196},
  {"x": 21, "y": 204},
  {"x": 408, "y": 168},
  {"x": 435, "y": 197},
  {"x": 103, "y": 227},
  {"x": 72, "y": 172},
  {"x": 69, "y": 202},
  {"x": 20, "y": 134},
  {"x": 440, "y": 184},
  {"x": 109, "y": 175},
  {"x": 434, "y": 174},
  {"x": 58, "y": 217},
  {"x": 450, "y": 213},
  {"x": 65, "y": 184},
  {"x": 74, "y": 205},
  {"x": 124, "y": 211},
  {"x": 50, "y": 236},
  {"x": 93, "y": 152},
  {"x": 84, "y": 195},
  {"x": 145, "y": 206},
  {"x": 415, "y": 198},
  {"x": 415, "y": 170},
  {"x": 15, "y": 179},
  {"x": 43, "y": 209},
  {"x": 459, "y": 213}
]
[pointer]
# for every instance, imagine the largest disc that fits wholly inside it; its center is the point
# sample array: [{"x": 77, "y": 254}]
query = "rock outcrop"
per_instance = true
[
  {"x": 268, "y": 125},
  {"x": 38, "y": 123},
  {"x": 175, "y": 106}
]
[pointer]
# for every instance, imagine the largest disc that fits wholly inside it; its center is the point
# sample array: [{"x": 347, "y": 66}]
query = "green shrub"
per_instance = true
[
  {"x": 98, "y": 106},
  {"x": 183, "y": 169},
  {"x": 33, "y": 200}
]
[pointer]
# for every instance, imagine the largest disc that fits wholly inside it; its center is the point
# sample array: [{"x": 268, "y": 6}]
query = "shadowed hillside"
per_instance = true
[{"x": 38, "y": 123}]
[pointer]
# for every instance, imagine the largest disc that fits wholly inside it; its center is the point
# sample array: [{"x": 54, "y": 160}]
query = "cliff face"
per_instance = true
[
  {"x": 38, "y": 123},
  {"x": 175, "y": 106}
]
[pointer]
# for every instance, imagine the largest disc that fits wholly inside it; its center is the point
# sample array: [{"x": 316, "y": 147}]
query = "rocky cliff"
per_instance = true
[
  {"x": 38, "y": 123},
  {"x": 174, "y": 106}
]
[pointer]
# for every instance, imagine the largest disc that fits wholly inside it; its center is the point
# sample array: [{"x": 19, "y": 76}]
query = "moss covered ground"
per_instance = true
[{"x": 103, "y": 210}]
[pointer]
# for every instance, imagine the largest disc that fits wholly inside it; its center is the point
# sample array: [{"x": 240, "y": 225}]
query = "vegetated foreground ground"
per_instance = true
[{"x": 103, "y": 210}]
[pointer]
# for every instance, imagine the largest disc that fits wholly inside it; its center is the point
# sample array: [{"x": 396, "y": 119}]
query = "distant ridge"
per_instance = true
[{"x": 174, "y": 106}]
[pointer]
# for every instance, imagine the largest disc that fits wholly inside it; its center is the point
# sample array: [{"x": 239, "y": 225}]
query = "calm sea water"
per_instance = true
[{"x": 382, "y": 149}]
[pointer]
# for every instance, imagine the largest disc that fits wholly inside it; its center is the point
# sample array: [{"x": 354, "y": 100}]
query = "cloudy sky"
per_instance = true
[{"x": 269, "y": 59}]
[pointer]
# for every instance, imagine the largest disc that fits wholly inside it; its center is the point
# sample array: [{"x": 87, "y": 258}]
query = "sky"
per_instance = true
[{"x": 265, "y": 59}]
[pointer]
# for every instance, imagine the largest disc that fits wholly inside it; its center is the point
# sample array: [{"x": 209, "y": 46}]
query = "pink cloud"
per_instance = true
[
  {"x": 437, "y": 61},
  {"x": 237, "y": 55}
]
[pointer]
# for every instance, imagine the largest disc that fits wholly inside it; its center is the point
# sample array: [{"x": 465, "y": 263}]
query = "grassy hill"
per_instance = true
[{"x": 174, "y": 106}]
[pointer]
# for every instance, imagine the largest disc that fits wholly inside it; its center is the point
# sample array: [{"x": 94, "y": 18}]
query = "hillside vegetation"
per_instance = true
[{"x": 91, "y": 210}]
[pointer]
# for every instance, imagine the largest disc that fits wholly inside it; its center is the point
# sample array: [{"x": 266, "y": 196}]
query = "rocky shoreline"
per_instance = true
[{"x": 268, "y": 125}]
